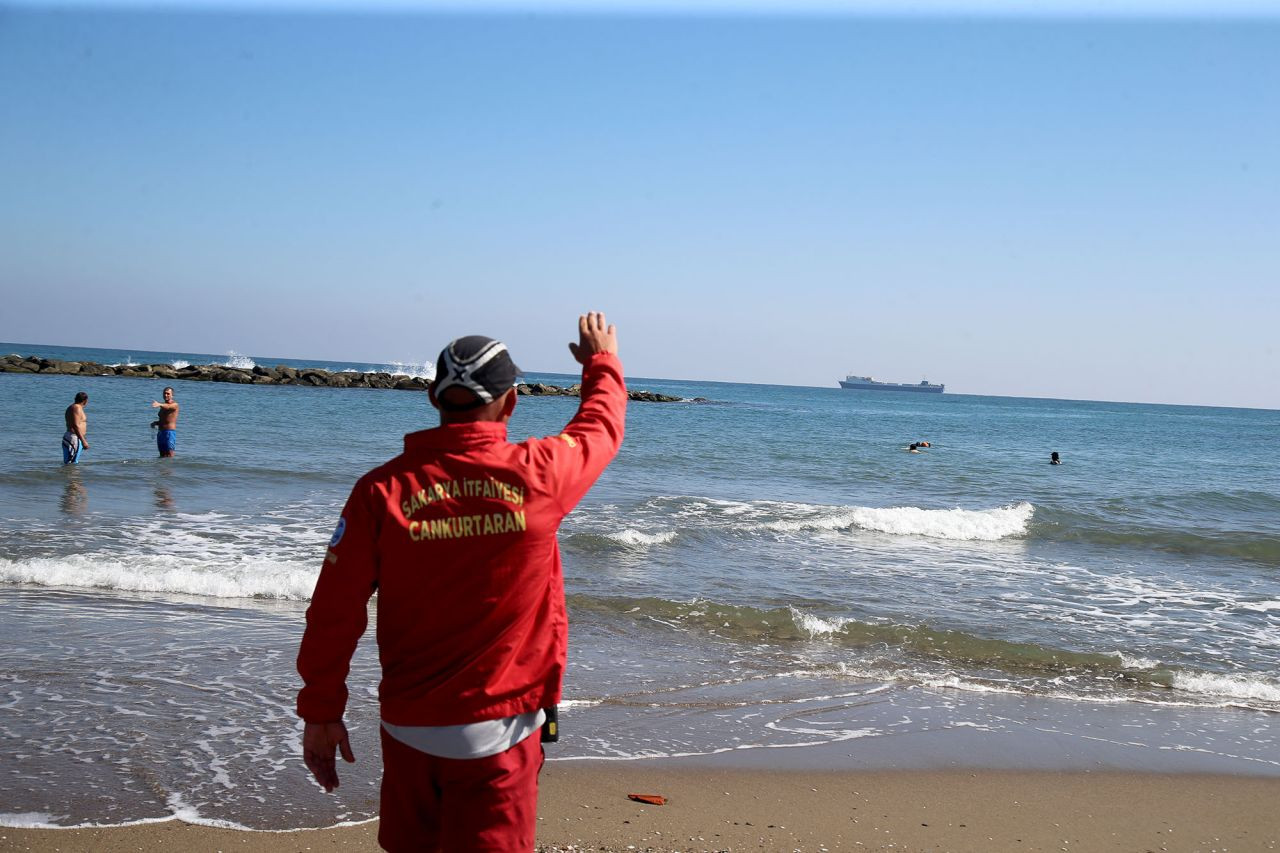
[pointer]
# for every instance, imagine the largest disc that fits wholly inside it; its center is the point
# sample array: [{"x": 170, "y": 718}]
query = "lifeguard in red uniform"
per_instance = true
[{"x": 457, "y": 535}]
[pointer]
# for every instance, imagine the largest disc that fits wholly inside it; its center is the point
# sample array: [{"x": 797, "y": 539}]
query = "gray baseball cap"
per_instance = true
[{"x": 481, "y": 365}]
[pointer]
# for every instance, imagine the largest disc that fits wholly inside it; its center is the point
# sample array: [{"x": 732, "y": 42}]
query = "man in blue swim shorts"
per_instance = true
[
  {"x": 73, "y": 440},
  {"x": 167, "y": 437}
]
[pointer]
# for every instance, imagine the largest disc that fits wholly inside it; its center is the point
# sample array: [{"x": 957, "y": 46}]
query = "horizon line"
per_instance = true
[{"x": 836, "y": 387}]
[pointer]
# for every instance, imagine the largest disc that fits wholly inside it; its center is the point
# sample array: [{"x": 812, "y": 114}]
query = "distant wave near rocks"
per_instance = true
[{"x": 242, "y": 371}]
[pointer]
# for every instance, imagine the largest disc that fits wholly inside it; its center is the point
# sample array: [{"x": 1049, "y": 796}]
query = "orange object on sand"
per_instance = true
[{"x": 651, "y": 799}]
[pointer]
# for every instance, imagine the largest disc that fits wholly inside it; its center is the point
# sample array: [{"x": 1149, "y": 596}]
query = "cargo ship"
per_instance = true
[{"x": 866, "y": 383}]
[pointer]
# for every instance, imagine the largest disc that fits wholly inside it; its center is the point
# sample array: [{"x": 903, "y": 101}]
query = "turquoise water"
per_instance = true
[{"x": 769, "y": 568}]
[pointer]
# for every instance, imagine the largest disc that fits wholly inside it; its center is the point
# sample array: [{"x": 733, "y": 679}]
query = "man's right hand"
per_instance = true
[
  {"x": 320, "y": 742},
  {"x": 593, "y": 336}
]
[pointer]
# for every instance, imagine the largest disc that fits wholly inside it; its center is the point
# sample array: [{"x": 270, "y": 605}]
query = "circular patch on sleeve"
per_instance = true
[{"x": 337, "y": 532}]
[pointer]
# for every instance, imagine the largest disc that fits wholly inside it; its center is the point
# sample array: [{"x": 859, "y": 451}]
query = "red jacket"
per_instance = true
[{"x": 458, "y": 536}]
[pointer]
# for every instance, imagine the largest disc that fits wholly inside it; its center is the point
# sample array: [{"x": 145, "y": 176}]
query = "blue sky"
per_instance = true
[{"x": 1081, "y": 203}]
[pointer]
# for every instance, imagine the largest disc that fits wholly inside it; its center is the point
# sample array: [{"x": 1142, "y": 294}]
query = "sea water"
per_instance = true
[{"x": 764, "y": 572}]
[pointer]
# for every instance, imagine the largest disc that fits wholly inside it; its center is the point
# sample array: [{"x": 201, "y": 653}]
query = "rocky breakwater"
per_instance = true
[{"x": 279, "y": 375}]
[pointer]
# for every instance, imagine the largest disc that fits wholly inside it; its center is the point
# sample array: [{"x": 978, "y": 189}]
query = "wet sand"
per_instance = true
[{"x": 584, "y": 807}]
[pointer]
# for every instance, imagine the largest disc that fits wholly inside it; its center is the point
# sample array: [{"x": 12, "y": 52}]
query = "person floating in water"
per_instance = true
[
  {"x": 167, "y": 437},
  {"x": 73, "y": 440},
  {"x": 915, "y": 446},
  {"x": 1053, "y": 458}
]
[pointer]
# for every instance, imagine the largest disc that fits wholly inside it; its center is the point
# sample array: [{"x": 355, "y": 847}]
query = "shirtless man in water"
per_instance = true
[
  {"x": 73, "y": 440},
  {"x": 167, "y": 437}
]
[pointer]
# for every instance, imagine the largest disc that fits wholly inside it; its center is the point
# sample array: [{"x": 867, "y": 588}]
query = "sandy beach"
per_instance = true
[{"x": 584, "y": 807}]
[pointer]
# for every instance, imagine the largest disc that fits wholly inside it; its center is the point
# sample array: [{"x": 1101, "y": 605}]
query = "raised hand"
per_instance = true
[{"x": 593, "y": 336}]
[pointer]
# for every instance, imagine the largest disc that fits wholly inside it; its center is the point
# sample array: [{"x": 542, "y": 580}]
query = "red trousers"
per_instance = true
[{"x": 478, "y": 805}]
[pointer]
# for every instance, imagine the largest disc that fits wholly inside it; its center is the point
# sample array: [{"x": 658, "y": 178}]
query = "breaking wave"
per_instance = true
[
  {"x": 263, "y": 579},
  {"x": 628, "y": 539},
  {"x": 756, "y": 517},
  {"x": 962, "y": 524},
  {"x": 426, "y": 370}
]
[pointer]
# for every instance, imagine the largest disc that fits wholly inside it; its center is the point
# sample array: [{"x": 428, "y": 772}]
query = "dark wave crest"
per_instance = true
[
  {"x": 1059, "y": 525},
  {"x": 782, "y": 625},
  {"x": 937, "y": 656}
]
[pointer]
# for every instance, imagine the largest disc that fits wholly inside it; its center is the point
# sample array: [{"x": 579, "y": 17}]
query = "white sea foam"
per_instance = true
[
  {"x": 959, "y": 524},
  {"x": 729, "y": 516},
  {"x": 816, "y": 626},
  {"x": 1131, "y": 662},
  {"x": 258, "y": 578},
  {"x": 179, "y": 363},
  {"x": 426, "y": 370},
  {"x": 988, "y": 525},
  {"x": 182, "y": 814},
  {"x": 235, "y": 359},
  {"x": 951, "y": 681},
  {"x": 28, "y": 820},
  {"x": 1236, "y": 692},
  {"x": 637, "y": 539},
  {"x": 1260, "y": 606},
  {"x": 1230, "y": 686}
]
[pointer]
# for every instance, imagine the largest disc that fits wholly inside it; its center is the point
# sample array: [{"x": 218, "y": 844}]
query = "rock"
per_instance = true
[
  {"x": 651, "y": 397},
  {"x": 193, "y": 372},
  {"x": 233, "y": 374},
  {"x": 539, "y": 389},
  {"x": 135, "y": 370}
]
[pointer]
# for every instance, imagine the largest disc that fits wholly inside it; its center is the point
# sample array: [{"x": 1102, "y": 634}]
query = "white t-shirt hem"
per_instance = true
[{"x": 470, "y": 740}]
